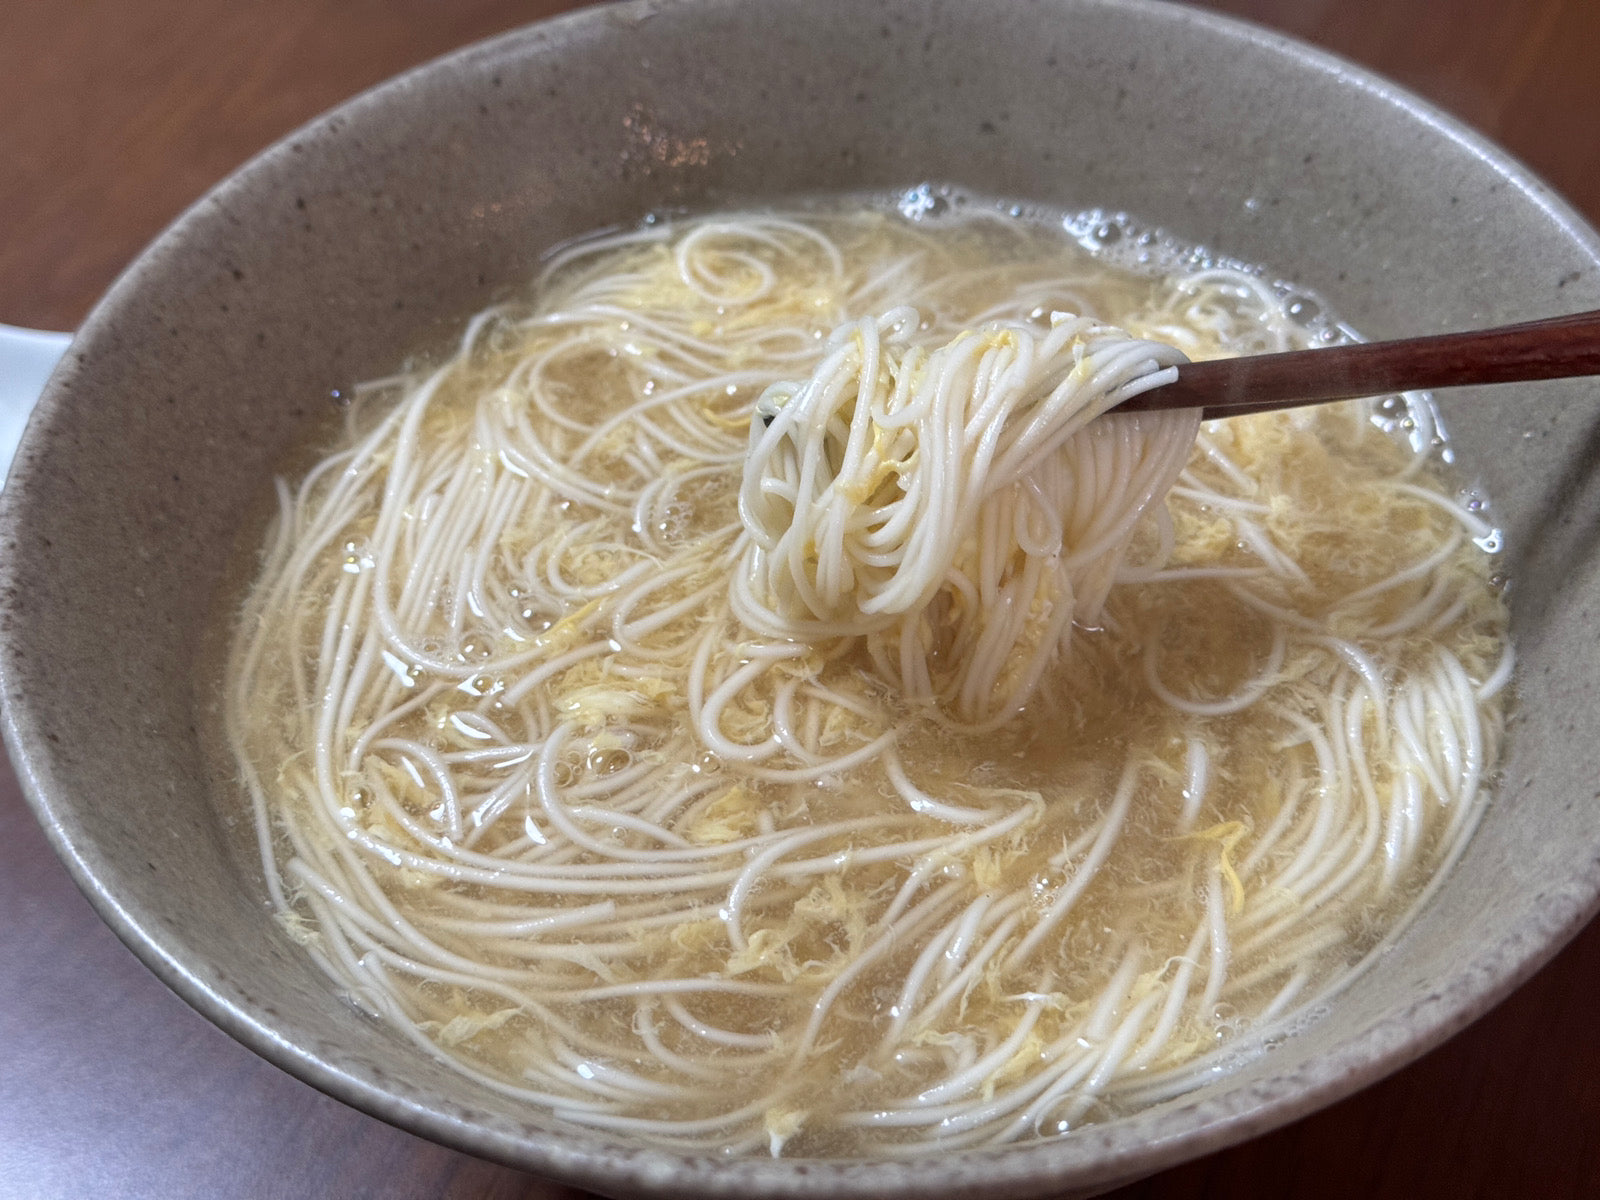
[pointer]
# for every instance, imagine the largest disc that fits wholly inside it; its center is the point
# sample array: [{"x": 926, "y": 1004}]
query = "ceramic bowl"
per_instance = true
[{"x": 378, "y": 227}]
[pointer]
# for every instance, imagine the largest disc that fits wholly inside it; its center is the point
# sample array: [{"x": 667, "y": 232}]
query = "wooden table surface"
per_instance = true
[{"x": 116, "y": 114}]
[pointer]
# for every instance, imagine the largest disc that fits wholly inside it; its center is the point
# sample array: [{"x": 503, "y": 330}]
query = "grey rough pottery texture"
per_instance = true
[{"x": 377, "y": 228}]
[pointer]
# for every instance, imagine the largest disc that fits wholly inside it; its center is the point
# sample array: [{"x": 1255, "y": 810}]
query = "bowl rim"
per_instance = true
[{"x": 1096, "y": 1157}]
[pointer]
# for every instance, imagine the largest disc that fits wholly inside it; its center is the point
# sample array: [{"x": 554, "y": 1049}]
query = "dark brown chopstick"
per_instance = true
[{"x": 1554, "y": 348}]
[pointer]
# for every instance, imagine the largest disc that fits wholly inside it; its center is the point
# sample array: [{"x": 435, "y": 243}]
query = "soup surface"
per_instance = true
[{"x": 529, "y": 790}]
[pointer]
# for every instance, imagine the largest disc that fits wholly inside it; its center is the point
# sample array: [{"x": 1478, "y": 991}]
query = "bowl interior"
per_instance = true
[{"x": 376, "y": 229}]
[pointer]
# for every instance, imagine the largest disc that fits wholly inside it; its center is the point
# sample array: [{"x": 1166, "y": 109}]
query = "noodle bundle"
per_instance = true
[{"x": 961, "y": 507}]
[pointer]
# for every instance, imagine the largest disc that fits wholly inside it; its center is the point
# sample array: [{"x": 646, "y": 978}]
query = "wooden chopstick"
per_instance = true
[{"x": 1554, "y": 348}]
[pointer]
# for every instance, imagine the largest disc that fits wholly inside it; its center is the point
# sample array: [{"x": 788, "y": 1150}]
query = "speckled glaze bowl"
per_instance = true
[{"x": 380, "y": 226}]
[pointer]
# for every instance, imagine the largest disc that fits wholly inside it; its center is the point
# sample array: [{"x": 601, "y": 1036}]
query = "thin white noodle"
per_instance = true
[{"x": 624, "y": 784}]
